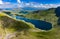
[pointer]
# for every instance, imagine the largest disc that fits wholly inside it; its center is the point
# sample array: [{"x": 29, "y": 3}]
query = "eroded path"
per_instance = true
[{"x": 9, "y": 36}]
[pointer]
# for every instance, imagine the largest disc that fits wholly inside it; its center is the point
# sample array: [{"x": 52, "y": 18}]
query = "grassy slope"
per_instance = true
[
  {"x": 10, "y": 25},
  {"x": 49, "y": 16},
  {"x": 44, "y": 15},
  {"x": 32, "y": 33}
]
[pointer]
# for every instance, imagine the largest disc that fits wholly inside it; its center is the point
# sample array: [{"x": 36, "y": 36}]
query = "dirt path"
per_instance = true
[
  {"x": 0, "y": 37},
  {"x": 8, "y": 36}
]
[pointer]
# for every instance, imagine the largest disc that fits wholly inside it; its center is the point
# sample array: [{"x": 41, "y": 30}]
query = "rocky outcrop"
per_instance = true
[{"x": 57, "y": 12}]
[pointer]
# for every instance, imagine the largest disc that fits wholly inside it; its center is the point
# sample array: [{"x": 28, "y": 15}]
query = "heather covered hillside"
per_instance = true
[
  {"x": 8, "y": 25},
  {"x": 44, "y": 15},
  {"x": 12, "y": 28}
]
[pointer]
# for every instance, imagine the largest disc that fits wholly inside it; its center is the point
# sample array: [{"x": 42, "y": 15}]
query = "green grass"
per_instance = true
[
  {"x": 11, "y": 25},
  {"x": 25, "y": 30}
]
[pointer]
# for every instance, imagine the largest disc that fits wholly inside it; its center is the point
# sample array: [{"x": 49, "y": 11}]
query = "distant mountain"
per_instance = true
[
  {"x": 32, "y": 8},
  {"x": 40, "y": 13},
  {"x": 25, "y": 9}
]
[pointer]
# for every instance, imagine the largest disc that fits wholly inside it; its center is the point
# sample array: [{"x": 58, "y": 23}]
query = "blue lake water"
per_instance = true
[{"x": 38, "y": 23}]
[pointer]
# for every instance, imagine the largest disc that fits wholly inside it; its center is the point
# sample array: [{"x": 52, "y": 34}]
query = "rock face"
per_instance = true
[
  {"x": 57, "y": 11},
  {"x": 58, "y": 22}
]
